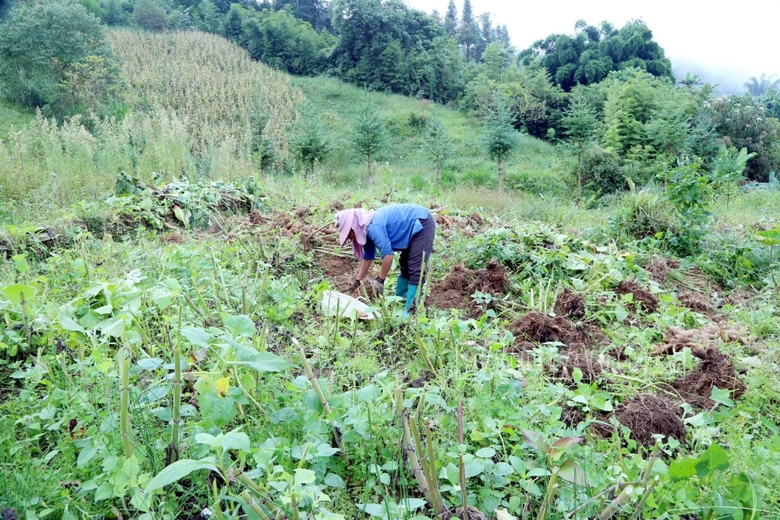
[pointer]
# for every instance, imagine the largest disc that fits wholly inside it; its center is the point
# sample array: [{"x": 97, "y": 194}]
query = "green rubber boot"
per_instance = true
[
  {"x": 401, "y": 287},
  {"x": 410, "y": 295}
]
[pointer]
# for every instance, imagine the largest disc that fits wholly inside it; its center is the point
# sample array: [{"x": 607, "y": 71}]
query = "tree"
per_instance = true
[
  {"x": 368, "y": 136},
  {"x": 500, "y": 137},
  {"x": 311, "y": 143},
  {"x": 759, "y": 87},
  {"x": 451, "y": 20},
  {"x": 149, "y": 15},
  {"x": 579, "y": 120},
  {"x": 437, "y": 142},
  {"x": 44, "y": 45},
  {"x": 590, "y": 54},
  {"x": 469, "y": 32},
  {"x": 743, "y": 121}
]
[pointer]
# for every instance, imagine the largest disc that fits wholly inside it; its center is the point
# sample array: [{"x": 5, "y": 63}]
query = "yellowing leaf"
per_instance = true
[{"x": 222, "y": 385}]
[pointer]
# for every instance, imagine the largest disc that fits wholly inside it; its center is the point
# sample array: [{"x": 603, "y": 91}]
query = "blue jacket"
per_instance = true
[{"x": 392, "y": 228}]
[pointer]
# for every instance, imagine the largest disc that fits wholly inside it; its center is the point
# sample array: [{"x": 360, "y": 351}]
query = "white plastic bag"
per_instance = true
[{"x": 334, "y": 302}]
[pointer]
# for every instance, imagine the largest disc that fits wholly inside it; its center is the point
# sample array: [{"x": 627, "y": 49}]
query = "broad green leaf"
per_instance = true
[
  {"x": 177, "y": 471},
  {"x": 722, "y": 397},
  {"x": 485, "y": 453},
  {"x": 682, "y": 469},
  {"x": 18, "y": 293},
  {"x": 113, "y": 327},
  {"x": 20, "y": 263},
  {"x": 770, "y": 237},
  {"x": 196, "y": 336},
  {"x": 235, "y": 440},
  {"x": 304, "y": 476},
  {"x": 333, "y": 480},
  {"x": 714, "y": 458},
  {"x": 571, "y": 471},
  {"x": 265, "y": 362},
  {"x": 560, "y": 446},
  {"x": 376, "y": 510},
  {"x": 87, "y": 454},
  {"x": 240, "y": 325},
  {"x": 219, "y": 410},
  {"x": 411, "y": 504},
  {"x": 150, "y": 363},
  {"x": 69, "y": 324}
]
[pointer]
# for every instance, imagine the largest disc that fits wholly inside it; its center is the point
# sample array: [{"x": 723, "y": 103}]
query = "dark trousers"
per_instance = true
[{"x": 419, "y": 250}]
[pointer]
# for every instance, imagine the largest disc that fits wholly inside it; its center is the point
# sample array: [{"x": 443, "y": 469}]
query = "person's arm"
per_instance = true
[
  {"x": 365, "y": 265},
  {"x": 387, "y": 263}
]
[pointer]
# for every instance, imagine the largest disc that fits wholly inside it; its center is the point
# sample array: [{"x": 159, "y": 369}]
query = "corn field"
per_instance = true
[
  {"x": 211, "y": 85},
  {"x": 194, "y": 100}
]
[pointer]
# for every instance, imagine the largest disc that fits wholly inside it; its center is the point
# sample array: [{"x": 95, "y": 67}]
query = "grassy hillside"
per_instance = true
[
  {"x": 166, "y": 352},
  {"x": 12, "y": 118},
  {"x": 337, "y": 104}
]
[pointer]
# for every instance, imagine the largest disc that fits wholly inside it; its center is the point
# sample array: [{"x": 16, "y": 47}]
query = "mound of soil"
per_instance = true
[
  {"x": 696, "y": 302},
  {"x": 475, "y": 220},
  {"x": 536, "y": 327},
  {"x": 590, "y": 366},
  {"x": 647, "y": 415},
  {"x": 455, "y": 291},
  {"x": 658, "y": 269},
  {"x": 492, "y": 280},
  {"x": 714, "y": 370},
  {"x": 340, "y": 270},
  {"x": 675, "y": 339},
  {"x": 570, "y": 304},
  {"x": 647, "y": 300}
]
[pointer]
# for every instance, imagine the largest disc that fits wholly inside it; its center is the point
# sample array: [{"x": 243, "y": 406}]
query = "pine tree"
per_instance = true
[
  {"x": 368, "y": 136},
  {"x": 311, "y": 143},
  {"x": 437, "y": 143},
  {"x": 500, "y": 137},
  {"x": 451, "y": 20},
  {"x": 579, "y": 120},
  {"x": 469, "y": 33}
]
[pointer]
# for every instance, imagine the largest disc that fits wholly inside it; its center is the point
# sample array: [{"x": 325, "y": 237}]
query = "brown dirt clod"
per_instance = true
[
  {"x": 455, "y": 290},
  {"x": 590, "y": 366},
  {"x": 696, "y": 302},
  {"x": 647, "y": 415},
  {"x": 570, "y": 304},
  {"x": 541, "y": 328},
  {"x": 658, "y": 269},
  {"x": 648, "y": 300},
  {"x": 715, "y": 370}
]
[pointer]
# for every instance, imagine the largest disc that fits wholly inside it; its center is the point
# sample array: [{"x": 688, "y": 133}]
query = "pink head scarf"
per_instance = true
[{"x": 356, "y": 220}]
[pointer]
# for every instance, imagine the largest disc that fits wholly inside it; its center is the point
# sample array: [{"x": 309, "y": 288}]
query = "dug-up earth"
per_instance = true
[{"x": 583, "y": 344}]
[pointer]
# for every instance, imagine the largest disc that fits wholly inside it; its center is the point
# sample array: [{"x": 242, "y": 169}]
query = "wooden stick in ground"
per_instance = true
[
  {"x": 461, "y": 466},
  {"x": 320, "y": 394}
]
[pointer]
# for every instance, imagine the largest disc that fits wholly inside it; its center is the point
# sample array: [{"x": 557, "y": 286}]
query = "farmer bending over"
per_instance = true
[{"x": 406, "y": 228}]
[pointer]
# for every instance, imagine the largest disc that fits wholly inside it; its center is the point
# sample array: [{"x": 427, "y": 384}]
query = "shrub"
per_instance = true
[
  {"x": 479, "y": 177},
  {"x": 644, "y": 214},
  {"x": 536, "y": 181}
]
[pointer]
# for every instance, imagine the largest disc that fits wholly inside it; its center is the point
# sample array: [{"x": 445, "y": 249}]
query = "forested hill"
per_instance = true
[{"x": 610, "y": 89}]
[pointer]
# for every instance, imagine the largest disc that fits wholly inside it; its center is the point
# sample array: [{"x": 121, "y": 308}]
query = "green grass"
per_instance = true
[{"x": 13, "y": 117}]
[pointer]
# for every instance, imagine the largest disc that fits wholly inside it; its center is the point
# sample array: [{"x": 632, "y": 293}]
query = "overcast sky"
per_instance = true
[{"x": 724, "y": 42}]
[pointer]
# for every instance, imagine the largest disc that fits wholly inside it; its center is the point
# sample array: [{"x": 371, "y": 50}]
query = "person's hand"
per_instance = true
[
  {"x": 355, "y": 284},
  {"x": 377, "y": 286}
]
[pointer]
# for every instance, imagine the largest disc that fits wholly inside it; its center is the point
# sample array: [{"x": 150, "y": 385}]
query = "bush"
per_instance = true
[
  {"x": 536, "y": 181},
  {"x": 479, "y": 177},
  {"x": 418, "y": 182},
  {"x": 448, "y": 178},
  {"x": 604, "y": 171},
  {"x": 644, "y": 214}
]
